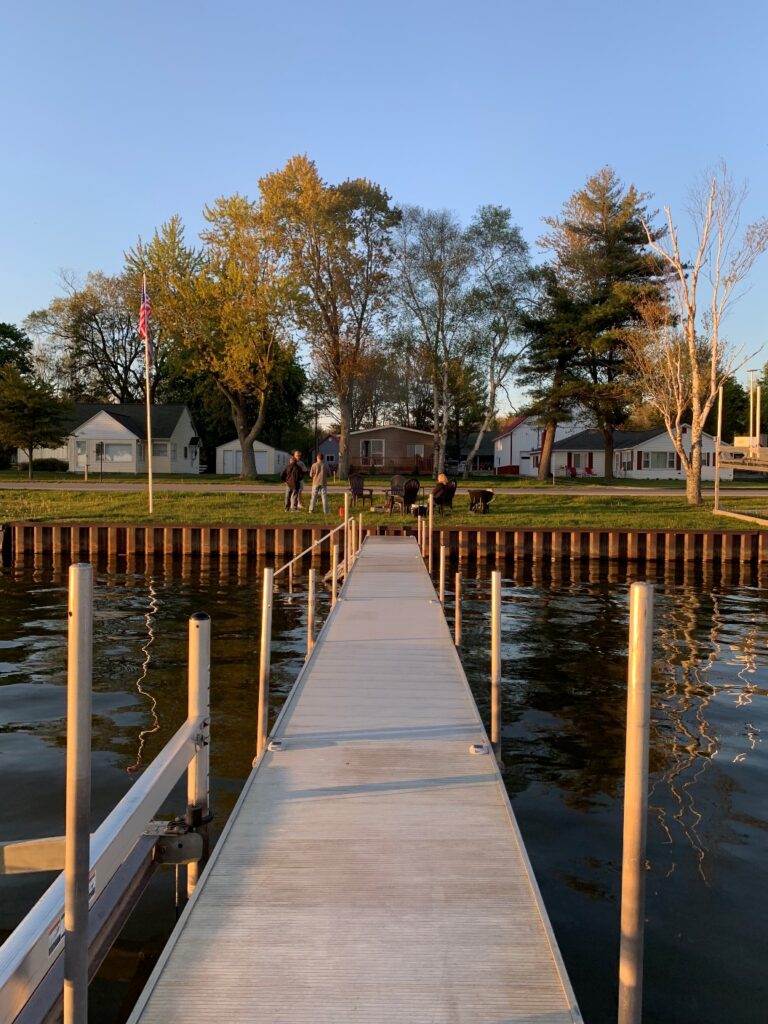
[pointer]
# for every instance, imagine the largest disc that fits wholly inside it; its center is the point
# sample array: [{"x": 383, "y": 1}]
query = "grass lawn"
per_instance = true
[
  {"x": 507, "y": 510},
  {"x": 379, "y": 482}
]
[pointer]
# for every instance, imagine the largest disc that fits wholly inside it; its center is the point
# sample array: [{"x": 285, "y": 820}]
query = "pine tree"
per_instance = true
[
  {"x": 603, "y": 265},
  {"x": 31, "y": 415}
]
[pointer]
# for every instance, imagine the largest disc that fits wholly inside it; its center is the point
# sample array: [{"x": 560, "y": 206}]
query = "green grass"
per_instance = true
[{"x": 524, "y": 510}]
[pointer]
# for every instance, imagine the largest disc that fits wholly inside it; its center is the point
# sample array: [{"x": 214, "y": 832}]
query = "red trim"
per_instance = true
[
  {"x": 589, "y": 461},
  {"x": 678, "y": 463},
  {"x": 568, "y": 459},
  {"x": 639, "y": 460}
]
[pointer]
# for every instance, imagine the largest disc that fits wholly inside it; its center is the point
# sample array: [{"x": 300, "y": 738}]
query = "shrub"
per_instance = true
[{"x": 50, "y": 465}]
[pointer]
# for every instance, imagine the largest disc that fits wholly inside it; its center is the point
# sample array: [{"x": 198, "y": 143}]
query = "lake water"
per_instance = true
[{"x": 564, "y": 702}]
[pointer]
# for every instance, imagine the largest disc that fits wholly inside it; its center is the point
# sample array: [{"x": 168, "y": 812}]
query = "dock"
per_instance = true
[{"x": 372, "y": 869}]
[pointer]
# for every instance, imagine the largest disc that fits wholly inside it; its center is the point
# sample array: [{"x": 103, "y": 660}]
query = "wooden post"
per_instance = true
[
  {"x": 457, "y": 611},
  {"x": 635, "y": 803},
  {"x": 78, "y": 792},
  {"x": 352, "y": 539},
  {"x": 262, "y": 727},
  {"x": 199, "y": 706},
  {"x": 496, "y": 664},
  {"x": 359, "y": 531}
]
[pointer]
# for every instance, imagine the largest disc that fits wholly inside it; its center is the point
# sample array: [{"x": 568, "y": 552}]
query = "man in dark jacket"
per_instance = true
[{"x": 292, "y": 476}]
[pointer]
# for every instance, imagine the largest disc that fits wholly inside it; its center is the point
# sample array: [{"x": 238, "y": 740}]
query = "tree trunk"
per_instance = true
[
  {"x": 545, "y": 459},
  {"x": 345, "y": 415},
  {"x": 446, "y": 415},
  {"x": 693, "y": 479},
  {"x": 435, "y": 427},
  {"x": 29, "y": 467},
  {"x": 608, "y": 446},
  {"x": 246, "y": 436},
  {"x": 481, "y": 432}
]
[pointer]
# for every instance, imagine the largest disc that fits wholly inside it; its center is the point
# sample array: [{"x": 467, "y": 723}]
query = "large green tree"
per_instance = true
[
  {"x": 601, "y": 255},
  {"x": 336, "y": 240},
  {"x": 31, "y": 415}
]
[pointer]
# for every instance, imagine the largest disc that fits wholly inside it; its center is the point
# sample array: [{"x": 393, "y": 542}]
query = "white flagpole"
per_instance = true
[{"x": 149, "y": 410}]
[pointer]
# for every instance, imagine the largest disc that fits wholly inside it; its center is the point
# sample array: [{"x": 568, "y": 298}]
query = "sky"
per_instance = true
[{"x": 116, "y": 116}]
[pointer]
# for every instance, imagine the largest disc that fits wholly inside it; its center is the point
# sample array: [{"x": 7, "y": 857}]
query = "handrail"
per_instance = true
[{"x": 306, "y": 551}]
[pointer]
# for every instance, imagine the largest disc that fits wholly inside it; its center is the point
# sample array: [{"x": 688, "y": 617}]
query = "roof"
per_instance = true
[
  {"x": 486, "y": 445},
  {"x": 391, "y": 426},
  {"x": 132, "y": 417},
  {"x": 592, "y": 440},
  {"x": 257, "y": 445},
  {"x": 511, "y": 426}
]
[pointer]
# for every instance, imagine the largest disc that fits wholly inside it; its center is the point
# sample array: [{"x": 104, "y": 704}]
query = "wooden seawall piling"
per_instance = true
[{"x": 250, "y": 543}]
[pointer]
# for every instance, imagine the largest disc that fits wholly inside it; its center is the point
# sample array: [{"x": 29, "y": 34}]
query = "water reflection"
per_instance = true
[{"x": 564, "y": 661}]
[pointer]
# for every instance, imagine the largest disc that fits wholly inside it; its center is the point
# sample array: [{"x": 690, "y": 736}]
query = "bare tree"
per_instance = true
[
  {"x": 435, "y": 276},
  {"x": 685, "y": 360}
]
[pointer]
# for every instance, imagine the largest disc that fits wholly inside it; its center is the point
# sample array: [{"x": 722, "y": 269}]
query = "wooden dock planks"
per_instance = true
[{"x": 372, "y": 871}]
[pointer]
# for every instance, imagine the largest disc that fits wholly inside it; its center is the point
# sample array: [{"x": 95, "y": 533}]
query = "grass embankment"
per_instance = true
[{"x": 525, "y": 510}]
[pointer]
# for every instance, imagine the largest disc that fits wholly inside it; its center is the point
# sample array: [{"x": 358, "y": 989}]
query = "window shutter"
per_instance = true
[{"x": 639, "y": 460}]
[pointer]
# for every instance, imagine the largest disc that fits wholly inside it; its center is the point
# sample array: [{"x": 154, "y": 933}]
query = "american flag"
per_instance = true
[{"x": 144, "y": 310}]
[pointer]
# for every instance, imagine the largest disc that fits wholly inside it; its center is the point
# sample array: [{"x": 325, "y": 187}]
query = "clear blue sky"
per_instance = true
[{"x": 116, "y": 115}]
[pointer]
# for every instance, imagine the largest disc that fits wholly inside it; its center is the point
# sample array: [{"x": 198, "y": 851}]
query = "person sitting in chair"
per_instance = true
[{"x": 440, "y": 487}]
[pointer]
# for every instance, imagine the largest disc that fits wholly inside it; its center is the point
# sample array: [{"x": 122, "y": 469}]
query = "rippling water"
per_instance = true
[{"x": 564, "y": 661}]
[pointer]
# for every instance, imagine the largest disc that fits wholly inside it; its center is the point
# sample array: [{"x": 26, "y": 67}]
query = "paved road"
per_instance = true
[{"x": 592, "y": 490}]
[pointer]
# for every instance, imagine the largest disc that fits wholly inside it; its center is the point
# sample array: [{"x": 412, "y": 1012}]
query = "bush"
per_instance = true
[{"x": 50, "y": 465}]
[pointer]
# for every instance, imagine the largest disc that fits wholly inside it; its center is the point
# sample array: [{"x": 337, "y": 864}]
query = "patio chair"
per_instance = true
[
  {"x": 402, "y": 502},
  {"x": 589, "y": 471},
  {"x": 571, "y": 471},
  {"x": 479, "y": 500},
  {"x": 444, "y": 500},
  {"x": 357, "y": 490},
  {"x": 396, "y": 485}
]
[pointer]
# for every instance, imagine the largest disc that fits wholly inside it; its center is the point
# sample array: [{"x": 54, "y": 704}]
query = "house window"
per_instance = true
[
  {"x": 159, "y": 449},
  {"x": 625, "y": 460},
  {"x": 118, "y": 452},
  {"x": 186, "y": 453},
  {"x": 372, "y": 452},
  {"x": 658, "y": 460},
  {"x": 576, "y": 460},
  {"x": 330, "y": 458},
  {"x": 81, "y": 450},
  {"x": 415, "y": 451}
]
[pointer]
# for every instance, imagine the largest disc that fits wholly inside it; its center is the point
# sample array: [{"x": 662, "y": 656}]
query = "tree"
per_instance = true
[
  {"x": 31, "y": 416},
  {"x": 600, "y": 254},
  {"x": 680, "y": 353},
  {"x": 15, "y": 348},
  {"x": 336, "y": 240},
  {"x": 435, "y": 266},
  {"x": 226, "y": 309},
  {"x": 547, "y": 370},
  {"x": 503, "y": 286},
  {"x": 735, "y": 411},
  {"x": 93, "y": 330}
]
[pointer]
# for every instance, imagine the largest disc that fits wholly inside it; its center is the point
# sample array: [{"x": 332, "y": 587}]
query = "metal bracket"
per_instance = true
[{"x": 172, "y": 848}]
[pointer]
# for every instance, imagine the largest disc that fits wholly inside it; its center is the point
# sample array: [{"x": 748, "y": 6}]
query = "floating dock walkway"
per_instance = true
[{"x": 372, "y": 870}]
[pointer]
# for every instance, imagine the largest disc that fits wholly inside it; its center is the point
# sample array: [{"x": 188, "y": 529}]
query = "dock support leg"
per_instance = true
[
  {"x": 457, "y": 611},
  {"x": 311, "y": 611},
  {"x": 431, "y": 527},
  {"x": 199, "y": 706},
  {"x": 635, "y": 803},
  {"x": 334, "y": 574},
  {"x": 262, "y": 727},
  {"x": 496, "y": 664},
  {"x": 78, "y": 804},
  {"x": 442, "y": 569}
]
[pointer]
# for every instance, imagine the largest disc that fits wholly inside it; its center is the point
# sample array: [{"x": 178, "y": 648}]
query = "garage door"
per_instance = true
[
  {"x": 233, "y": 460},
  {"x": 261, "y": 462}
]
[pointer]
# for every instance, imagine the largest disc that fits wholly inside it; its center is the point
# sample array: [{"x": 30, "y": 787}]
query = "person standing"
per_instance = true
[
  {"x": 318, "y": 477},
  {"x": 292, "y": 476}
]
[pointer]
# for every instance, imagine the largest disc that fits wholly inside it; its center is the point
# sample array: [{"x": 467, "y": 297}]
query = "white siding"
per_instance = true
[{"x": 269, "y": 461}]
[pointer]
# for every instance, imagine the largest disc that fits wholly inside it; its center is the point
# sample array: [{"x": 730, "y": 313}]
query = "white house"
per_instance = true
[
  {"x": 637, "y": 455},
  {"x": 515, "y": 447},
  {"x": 114, "y": 437},
  {"x": 269, "y": 461}
]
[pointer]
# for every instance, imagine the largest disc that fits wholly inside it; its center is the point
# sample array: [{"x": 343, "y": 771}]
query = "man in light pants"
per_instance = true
[{"x": 317, "y": 474}]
